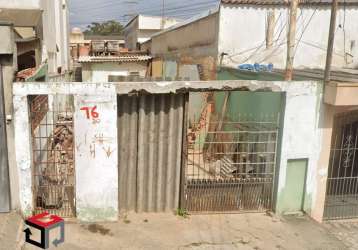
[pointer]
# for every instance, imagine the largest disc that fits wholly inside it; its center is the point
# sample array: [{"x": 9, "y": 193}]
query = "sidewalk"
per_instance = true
[
  {"x": 221, "y": 231},
  {"x": 10, "y": 231}
]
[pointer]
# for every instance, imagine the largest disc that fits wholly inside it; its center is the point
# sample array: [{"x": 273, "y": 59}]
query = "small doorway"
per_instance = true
[
  {"x": 293, "y": 196},
  {"x": 53, "y": 169}
]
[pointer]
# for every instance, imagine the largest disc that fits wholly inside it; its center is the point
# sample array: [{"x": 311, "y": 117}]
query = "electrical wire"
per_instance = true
[
  {"x": 151, "y": 9},
  {"x": 177, "y": 11},
  {"x": 258, "y": 47}
]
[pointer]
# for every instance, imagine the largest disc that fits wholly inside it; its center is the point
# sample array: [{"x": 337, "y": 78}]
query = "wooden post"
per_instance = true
[
  {"x": 291, "y": 40},
  {"x": 163, "y": 22},
  {"x": 332, "y": 27},
  {"x": 270, "y": 29}
]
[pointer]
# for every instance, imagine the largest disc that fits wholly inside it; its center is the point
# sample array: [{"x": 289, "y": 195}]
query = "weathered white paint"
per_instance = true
[
  {"x": 23, "y": 152},
  {"x": 301, "y": 137},
  {"x": 155, "y": 22},
  {"x": 96, "y": 158},
  {"x": 55, "y": 34},
  {"x": 99, "y": 72},
  {"x": 53, "y": 30},
  {"x": 243, "y": 33},
  {"x": 96, "y": 175},
  {"x": 199, "y": 38},
  {"x": 7, "y": 41},
  {"x": 142, "y": 27},
  {"x": 20, "y": 4}
]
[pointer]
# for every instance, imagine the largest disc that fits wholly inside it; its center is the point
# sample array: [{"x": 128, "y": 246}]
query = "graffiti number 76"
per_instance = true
[{"x": 91, "y": 112}]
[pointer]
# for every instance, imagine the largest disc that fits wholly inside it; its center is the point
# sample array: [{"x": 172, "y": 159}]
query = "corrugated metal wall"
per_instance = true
[
  {"x": 4, "y": 167},
  {"x": 150, "y": 130},
  {"x": 127, "y": 152}
]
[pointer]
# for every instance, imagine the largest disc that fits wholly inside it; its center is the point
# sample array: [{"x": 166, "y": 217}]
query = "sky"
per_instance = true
[{"x": 83, "y": 12}]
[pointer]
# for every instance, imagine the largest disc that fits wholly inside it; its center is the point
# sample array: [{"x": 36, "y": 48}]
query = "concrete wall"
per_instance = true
[
  {"x": 243, "y": 33},
  {"x": 99, "y": 72},
  {"x": 96, "y": 159},
  {"x": 143, "y": 27},
  {"x": 55, "y": 34},
  {"x": 50, "y": 18},
  {"x": 190, "y": 44},
  {"x": 194, "y": 39},
  {"x": 96, "y": 163},
  {"x": 7, "y": 45},
  {"x": 8, "y": 60},
  {"x": 20, "y": 4},
  {"x": 131, "y": 34},
  {"x": 301, "y": 138},
  {"x": 155, "y": 22}
]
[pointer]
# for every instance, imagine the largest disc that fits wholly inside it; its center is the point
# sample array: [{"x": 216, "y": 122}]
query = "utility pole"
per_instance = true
[
  {"x": 131, "y": 12},
  {"x": 163, "y": 6},
  {"x": 291, "y": 40},
  {"x": 332, "y": 27}
]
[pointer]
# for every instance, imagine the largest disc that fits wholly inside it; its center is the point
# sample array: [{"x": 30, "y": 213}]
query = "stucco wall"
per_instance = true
[
  {"x": 99, "y": 72},
  {"x": 96, "y": 158},
  {"x": 155, "y": 22},
  {"x": 96, "y": 167},
  {"x": 20, "y": 4},
  {"x": 243, "y": 33},
  {"x": 97, "y": 179},
  {"x": 131, "y": 34},
  {"x": 55, "y": 34},
  {"x": 301, "y": 137},
  {"x": 194, "y": 39}
]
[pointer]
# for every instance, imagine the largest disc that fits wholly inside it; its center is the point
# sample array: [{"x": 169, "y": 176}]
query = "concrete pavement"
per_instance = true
[
  {"x": 220, "y": 231},
  {"x": 10, "y": 231}
]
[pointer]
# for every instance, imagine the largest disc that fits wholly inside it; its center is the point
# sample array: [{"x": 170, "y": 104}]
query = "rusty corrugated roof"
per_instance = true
[
  {"x": 26, "y": 73},
  {"x": 126, "y": 58},
  {"x": 286, "y": 2}
]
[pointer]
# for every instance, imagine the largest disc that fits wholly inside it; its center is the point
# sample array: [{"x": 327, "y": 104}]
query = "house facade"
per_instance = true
[
  {"x": 226, "y": 35},
  {"x": 114, "y": 68},
  {"x": 141, "y": 27},
  {"x": 50, "y": 25},
  {"x": 268, "y": 44},
  {"x": 34, "y": 42}
]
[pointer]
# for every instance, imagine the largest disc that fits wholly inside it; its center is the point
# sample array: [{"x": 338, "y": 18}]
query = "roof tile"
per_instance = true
[
  {"x": 127, "y": 58},
  {"x": 286, "y": 2}
]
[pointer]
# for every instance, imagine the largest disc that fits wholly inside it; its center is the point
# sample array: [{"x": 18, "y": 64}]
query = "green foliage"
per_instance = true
[
  {"x": 182, "y": 212},
  {"x": 111, "y": 27}
]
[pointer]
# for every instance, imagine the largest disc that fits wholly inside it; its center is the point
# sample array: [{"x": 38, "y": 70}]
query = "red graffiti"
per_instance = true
[{"x": 91, "y": 112}]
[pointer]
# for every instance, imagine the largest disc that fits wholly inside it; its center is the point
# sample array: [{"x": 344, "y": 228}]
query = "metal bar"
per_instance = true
[
  {"x": 342, "y": 182},
  {"x": 226, "y": 176},
  {"x": 184, "y": 158},
  {"x": 53, "y": 155},
  {"x": 4, "y": 163}
]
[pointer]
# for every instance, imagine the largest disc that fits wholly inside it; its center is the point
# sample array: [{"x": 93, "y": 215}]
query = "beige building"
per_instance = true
[
  {"x": 114, "y": 68},
  {"x": 85, "y": 45},
  {"x": 45, "y": 21},
  {"x": 141, "y": 28}
]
